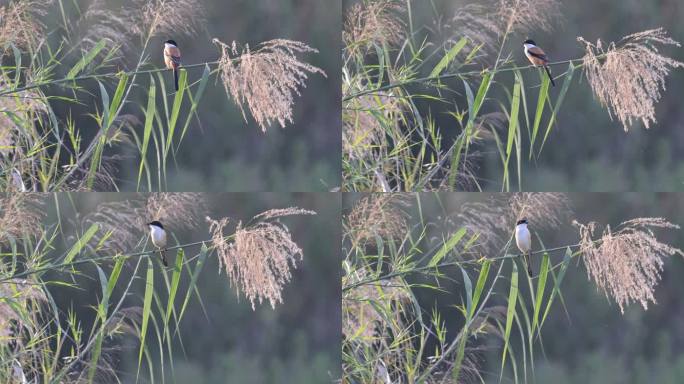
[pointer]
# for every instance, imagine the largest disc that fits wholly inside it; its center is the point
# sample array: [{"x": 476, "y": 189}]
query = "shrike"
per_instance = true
[
  {"x": 537, "y": 57},
  {"x": 17, "y": 181},
  {"x": 158, "y": 236},
  {"x": 172, "y": 59},
  {"x": 523, "y": 240}
]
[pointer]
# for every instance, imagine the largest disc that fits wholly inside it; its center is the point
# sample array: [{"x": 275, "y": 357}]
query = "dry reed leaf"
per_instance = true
[
  {"x": 627, "y": 77},
  {"x": 360, "y": 316},
  {"x": 18, "y": 113},
  {"x": 16, "y": 294},
  {"x": 626, "y": 264},
  {"x": 363, "y": 122},
  {"x": 266, "y": 79}
]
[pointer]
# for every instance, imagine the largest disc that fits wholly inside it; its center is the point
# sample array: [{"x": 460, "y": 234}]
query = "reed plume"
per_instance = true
[
  {"x": 260, "y": 259},
  {"x": 123, "y": 223},
  {"x": 266, "y": 79},
  {"x": 626, "y": 263},
  {"x": 374, "y": 22},
  {"x": 120, "y": 25},
  {"x": 495, "y": 219},
  {"x": 627, "y": 77},
  {"x": 19, "y": 23},
  {"x": 528, "y": 15},
  {"x": 379, "y": 214},
  {"x": 20, "y": 215}
]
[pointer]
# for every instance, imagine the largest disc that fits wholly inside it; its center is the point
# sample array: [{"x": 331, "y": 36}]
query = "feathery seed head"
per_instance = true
[
  {"x": 266, "y": 79},
  {"x": 377, "y": 22},
  {"x": 627, "y": 77},
  {"x": 626, "y": 263},
  {"x": 379, "y": 214},
  {"x": 19, "y": 24},
  {"x": 20, "y": 215},
  {"x": 260, "y": 259},
  {"x": 495, "y": 219}
]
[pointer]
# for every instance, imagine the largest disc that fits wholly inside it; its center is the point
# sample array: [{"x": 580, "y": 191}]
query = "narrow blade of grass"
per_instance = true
[
  {"x": 87, "y": 59},
  {"x": 147, "y": 304},
  {"x": 448, "y": 246},
  {"x": 541, "y": 286},
  {"x": 448, "y": 58},
  {"x": 557, "y": 282},
  {"x": 149, "y": 120},
  {"x": 510, "y": 313},
  {"x": 512, "y": 125},
  {"x": 175, "y": 109},
  {"x": 175, "y": 279},
  {"x": 76, "y": 249},
  {"x": 559, "y": 101},
  {"x": 479, "y": 286},
  {"x": 541, "y": 102}
]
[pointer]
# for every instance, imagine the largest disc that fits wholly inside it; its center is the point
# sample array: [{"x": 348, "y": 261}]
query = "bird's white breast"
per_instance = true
[
  {"x": 523, "y": 239},
  {"x": 158, "y": 236}
]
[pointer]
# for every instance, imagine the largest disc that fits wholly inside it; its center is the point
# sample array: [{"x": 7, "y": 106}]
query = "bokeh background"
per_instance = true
[
  {"x": 586, "y": 151},
  {"x": 593, "y": 342},
  {"x": 297, "y": 342},
  {"x": 222, "y": 151}
]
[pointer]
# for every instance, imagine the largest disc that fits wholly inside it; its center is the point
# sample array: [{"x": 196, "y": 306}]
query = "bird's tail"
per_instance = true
[
  {"x": 175, "y": 77},
  {"x": 162, "y": 253},
  {"x": 548, "y": 72},
  {"x": 527, "y": 262}
]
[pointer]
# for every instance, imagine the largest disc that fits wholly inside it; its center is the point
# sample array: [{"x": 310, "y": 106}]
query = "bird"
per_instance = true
[
  {"x": 172, "y": 59},
  {"x": 523, "y": 240},
  {"x": 537, "y": 57},
  {"x": 158, "y": 236},
  {"x": 17, "y": 181}
]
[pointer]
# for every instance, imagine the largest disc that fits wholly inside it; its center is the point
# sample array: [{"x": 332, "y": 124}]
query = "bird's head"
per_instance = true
[
  {"x": 522, "y": 221},
  {"x": 528, "y": 41},
  {"x": 156, "y": 224},
  {"x": 171, "y": 42}
]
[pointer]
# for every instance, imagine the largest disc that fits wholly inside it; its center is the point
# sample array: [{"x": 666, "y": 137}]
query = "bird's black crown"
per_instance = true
[
  {"x": 521, "y": 221},
  {"x": 156, "y": 224},
  {"x": 171, "y": 42},
  {"x": 529, "y": 42}
]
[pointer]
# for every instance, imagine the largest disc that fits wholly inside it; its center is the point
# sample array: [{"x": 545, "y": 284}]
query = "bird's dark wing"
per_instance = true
[
  {"x": 538, "y": 53},
  {"x": 174, "y": 54}
]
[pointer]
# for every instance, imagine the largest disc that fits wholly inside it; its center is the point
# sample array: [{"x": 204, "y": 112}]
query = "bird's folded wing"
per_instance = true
[
  {"x": 538, "y": 53},
  {"x": 175, "y": 59}
]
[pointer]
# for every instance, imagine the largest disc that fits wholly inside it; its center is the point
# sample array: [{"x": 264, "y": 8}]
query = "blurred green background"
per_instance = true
[
  {"x": 223, "y": 152},
  {"x": 594, "y": 343},
  {"x": 297, "y": 342},
  {"x": 586, "y": 151}
]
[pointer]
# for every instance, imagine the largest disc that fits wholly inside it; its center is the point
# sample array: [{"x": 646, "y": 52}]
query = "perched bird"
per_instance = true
[
  {"x": 17, "y": 181},
  {"x": 158, "y": 236},
  {"x": 537, "y": 57},
  {"x": 172, "y": 59},
  {"x": 523, "y": 240}
]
